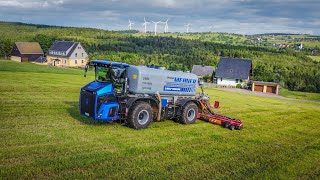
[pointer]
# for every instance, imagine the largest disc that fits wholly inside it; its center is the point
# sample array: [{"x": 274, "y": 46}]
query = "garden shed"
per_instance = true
[{"x": 265, "y": 87}]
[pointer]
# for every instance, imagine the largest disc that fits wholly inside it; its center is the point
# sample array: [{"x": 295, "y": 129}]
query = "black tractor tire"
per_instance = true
[
  {"x": 226, "y": 125},
  {"x": 231, "y": 127},
  {"x": 239, "y": 127},
  {"x": 140, "y": 115},
  {"x": 189, "y": 113}
]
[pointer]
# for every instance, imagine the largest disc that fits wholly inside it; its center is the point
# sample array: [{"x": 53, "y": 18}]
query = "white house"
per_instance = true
[
  {"x": 233, "y": 71},
  {"x": 67, "y": 54}
]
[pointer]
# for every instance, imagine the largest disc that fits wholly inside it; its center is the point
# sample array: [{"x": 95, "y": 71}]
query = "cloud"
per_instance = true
[
  {"x": 29, "y": 4},
  {"x": 236, "y": 16}
]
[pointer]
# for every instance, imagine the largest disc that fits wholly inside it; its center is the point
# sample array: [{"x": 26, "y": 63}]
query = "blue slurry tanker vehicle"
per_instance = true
[{"x": 138, "y": 95}]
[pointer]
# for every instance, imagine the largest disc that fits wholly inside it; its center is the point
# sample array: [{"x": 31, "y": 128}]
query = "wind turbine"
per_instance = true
[
  {"x": 166, "y": 27},
  {"x": 145, "y": 25},
  {"x": 130, "y": 24},
  {"x": 155, "y": 26},
  {"x": 211, "y": 27},
  {"x": 188, "y": 26}
]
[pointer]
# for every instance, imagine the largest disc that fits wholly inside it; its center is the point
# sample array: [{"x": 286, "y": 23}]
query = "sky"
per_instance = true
[{"x": 231, "y": 16}]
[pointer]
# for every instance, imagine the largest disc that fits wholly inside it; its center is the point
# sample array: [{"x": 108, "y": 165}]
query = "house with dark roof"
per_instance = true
[
  {"x": 26, "y": 51},
  {"x": 67, "y": 54},
  {"x": 202, "y": 70},
  {"x": 233, "y": 71}
]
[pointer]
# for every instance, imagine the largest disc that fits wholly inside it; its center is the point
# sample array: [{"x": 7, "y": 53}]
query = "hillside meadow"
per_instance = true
[
  {"x": 300, "y": 95},
  {"x": 294, "y": 70},
  {"x": 315, "y": 58},
  {"x": 43, "y": 136}
]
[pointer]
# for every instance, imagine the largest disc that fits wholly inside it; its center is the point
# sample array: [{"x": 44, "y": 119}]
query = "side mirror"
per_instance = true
[
  {"x": 201, "y": 86},
  {"x": 86, "y": 70}
]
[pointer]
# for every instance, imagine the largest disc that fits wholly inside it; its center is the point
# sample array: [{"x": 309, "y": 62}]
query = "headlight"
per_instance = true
[{"x": 100, "y": 114}]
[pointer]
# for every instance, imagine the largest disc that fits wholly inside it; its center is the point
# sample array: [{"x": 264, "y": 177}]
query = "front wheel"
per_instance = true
[
  {"x": 189, "y": 113},
  {"x": 140, "y": 115}
]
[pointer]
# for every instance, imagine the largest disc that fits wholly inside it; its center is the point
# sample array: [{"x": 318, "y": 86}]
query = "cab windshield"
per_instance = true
[
  {"x": 115, "y": 75},
  {"x": 102, "y": 74}
]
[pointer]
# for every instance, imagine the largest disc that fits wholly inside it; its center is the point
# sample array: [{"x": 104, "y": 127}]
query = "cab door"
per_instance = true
[{"x": 107, "y": 107}]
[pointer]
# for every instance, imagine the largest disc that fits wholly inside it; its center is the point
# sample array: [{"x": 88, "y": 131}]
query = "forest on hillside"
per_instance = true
[{"x": 293, "y": 70}]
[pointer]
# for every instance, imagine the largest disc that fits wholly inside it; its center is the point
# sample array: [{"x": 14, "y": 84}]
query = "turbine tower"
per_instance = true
[
  {"x": 130, "y": 24},
  {"x": 145, "y": 25},
  {"x": 188, "y": 26},
  {"x": 211, "y": 27},
  {"x": 166, "y": 27},
  {"x": 155, "y": 26}
]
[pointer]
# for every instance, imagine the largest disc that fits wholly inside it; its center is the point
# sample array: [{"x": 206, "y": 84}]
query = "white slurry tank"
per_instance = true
[{"x": 146, "y": 80}]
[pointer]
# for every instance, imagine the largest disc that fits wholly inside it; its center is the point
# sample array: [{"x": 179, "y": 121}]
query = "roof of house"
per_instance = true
[
  {"x": 267, "y": 83},
  {"x": 41, "y": 59},
  {"x": 63, "y": 46},
  {"x": 29, "y": 47},
  {"x": 201, "y": 70},
  {"x": 234, "y": 68}
]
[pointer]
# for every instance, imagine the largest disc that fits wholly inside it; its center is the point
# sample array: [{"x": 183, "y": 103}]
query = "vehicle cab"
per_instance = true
[{"x": 98, "y": 99}]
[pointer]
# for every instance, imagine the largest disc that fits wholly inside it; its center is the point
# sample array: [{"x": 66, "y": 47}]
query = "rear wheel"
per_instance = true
[
  {"x": 189, "y": 113},
  {"x": 231, "y": 127},
  {"x": 226, "y": 125},
  {"x": 140, "y": 115}
]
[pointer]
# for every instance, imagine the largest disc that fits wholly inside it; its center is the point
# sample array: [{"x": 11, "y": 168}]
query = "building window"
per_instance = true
[
  {"x": 82, "y": 61},
  {"x": 220, "y": 79},
  {"x": 65, "y": 61},
  {"x": 76, "y": 62},
  {"x": 76, "y": 54},
  {"x": 237, "y": 80},
  {"x": 82, "y": 54}
]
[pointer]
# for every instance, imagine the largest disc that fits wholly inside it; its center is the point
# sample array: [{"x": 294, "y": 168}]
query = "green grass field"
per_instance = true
[
  {"x": 43, "y": 136},
  {"x": 315, "y": 58},
  {"x": 300, "y": 95}
]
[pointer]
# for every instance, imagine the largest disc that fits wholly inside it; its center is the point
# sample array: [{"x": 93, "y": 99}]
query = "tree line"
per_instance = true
[{"x": 292, "y": 69}]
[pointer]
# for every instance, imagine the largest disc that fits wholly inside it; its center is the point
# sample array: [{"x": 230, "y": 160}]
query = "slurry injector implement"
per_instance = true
[{"x": 138, "y": 95}]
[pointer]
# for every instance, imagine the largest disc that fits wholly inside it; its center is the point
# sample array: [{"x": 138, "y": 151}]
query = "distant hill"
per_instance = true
[{"x": 177, "y": 51}]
